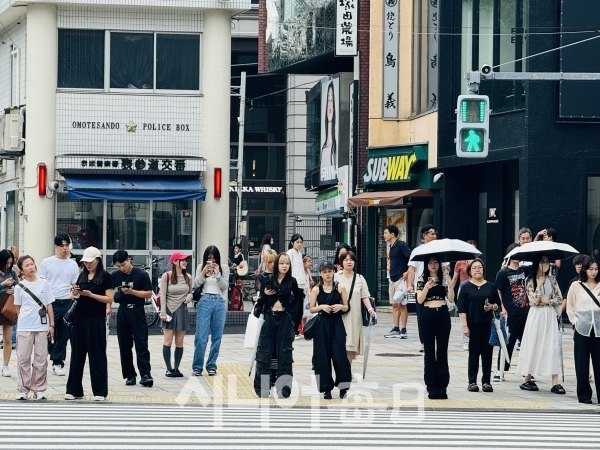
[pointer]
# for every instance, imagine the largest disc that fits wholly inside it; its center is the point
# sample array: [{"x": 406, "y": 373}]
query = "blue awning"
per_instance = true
[{"x": 100, "y": 187}]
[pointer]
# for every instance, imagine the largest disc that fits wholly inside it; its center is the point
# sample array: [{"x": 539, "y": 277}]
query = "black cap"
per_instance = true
[{"x": 326, "y": 265}]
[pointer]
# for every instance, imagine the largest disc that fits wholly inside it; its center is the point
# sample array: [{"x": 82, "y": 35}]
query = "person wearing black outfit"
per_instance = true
[
  {"x": 278, "y": 301},
  {"x": 330, "y": 301},
  {"x": 434, "y": 324},
  {"x": 476, "y": 301},
  {"x": 399, "y": 254},
  {"x": 133, "y": 287},
  {"x": 510, "y": 283},
  {"x": 94, "y": 292}
]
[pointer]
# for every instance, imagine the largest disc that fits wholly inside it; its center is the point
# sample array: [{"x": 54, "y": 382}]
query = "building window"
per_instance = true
[
  {"x": 81, "y": 59},
  {"x": 81, "y": 220},
  {"x": 264, "y": 162},
  {"x": 593, "y": 217},
  {"x": 425, "y": 56},
  {"x": 144, "y": 61},
  {"x": 493, "y": 33}
]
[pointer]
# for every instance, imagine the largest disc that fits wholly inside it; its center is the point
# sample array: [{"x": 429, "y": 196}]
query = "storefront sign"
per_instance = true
[
  {"x": 127, "y": 164},
  {"x": 329, "y": 202},
  {"x": 393, "y": 165},
  {"x": 346, "y": 28},
  {"x": 492, "y": 215},
  {"x": 391, "y": 20},
  {"x": 260, "y": 189},
  {"x": 131, "y": 126}
]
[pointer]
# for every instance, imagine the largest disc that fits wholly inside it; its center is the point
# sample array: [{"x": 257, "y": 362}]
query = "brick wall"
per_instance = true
[
  {"x": 364, "y": 17},
  {"x": 263, "y": 47}
]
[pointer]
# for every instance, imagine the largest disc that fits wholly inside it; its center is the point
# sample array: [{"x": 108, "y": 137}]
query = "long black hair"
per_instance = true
[
  {"x": 212, "y": 250},
  {"x": 5, "y": 255},
  {"x": 439, "y": 274},
  {"x": 98, "y": 276},
  {"x": 534, "y": 269},
  {"x": 333, "y": 142},
  {"x": 587, "y": 262},
  {"x": 293, "y": 239},
  {"x": 343, "y": 246},
  {"x": 266, "y": 240}
]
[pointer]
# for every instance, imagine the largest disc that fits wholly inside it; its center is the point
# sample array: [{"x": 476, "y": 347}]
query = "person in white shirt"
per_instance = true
[
  {"x": 298, "y": 272},
  {"x": 61, "y": 272},
  {"x": 416, "y": 269},
  {"x": 33, "y": 299}
]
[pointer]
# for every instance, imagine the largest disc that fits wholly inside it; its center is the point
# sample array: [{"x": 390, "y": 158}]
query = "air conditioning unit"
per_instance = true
[{"x": 12, "y": 132}]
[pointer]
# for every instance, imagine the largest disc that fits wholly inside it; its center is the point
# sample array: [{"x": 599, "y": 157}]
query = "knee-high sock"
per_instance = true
[
  {"x": 167, "y": 356},
  {"x": 178, "y": 356}
]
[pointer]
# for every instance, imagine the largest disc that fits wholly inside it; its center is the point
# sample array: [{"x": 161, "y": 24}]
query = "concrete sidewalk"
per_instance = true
[{"x": 391, "y": 362}]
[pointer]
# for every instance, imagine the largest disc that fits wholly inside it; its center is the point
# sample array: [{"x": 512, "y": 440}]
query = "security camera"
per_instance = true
[
  {"x": 486, "y": 69},
  {"x": 54, "y": 186}
]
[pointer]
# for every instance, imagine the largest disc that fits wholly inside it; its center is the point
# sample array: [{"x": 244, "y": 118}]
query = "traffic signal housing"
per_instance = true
[{"x": 472, "y": 126}]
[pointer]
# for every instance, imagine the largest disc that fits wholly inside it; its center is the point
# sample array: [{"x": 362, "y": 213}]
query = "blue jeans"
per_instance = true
[{"x": 210, "y": 318}]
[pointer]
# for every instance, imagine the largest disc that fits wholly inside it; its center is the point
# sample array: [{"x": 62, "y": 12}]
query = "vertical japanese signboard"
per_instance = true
[
  {"x": 186, "y": 222},
  {"x": 432, "y": 50},
  {"x": 391, "y": 18},
  {"x": 346, "y": 28}
]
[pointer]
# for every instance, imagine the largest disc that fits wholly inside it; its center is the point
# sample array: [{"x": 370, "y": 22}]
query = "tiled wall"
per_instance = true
[
  {"x": 133, "y": 19},
  {"x": 157, "y": 118}
]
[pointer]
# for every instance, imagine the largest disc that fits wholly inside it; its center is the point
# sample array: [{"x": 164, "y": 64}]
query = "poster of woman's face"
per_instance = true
[{"x": 329, "y": 131}]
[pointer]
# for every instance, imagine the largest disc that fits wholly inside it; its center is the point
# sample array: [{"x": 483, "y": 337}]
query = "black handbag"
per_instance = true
[
  {"x": 366, "y": 317},
  {"x": 310, "y": 329}
]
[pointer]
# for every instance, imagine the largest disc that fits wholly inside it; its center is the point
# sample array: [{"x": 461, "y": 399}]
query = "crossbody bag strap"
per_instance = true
[
  {"x": 590, "y": 292},
  {"x": 352, "y": 287},
  {"x": 32, "y": 295}
]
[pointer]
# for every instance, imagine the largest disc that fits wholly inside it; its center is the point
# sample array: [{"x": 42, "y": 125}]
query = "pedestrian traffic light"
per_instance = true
[{"x": 472, "y": 126}]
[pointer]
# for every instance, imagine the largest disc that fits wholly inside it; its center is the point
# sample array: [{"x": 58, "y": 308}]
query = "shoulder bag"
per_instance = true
[
  {"x": 43, "y": 311},
  {"x": 351, "y": 291},
  {"x": 9, "y": 310},
  {"x": 310, "y": 329},
  {"x": 158, "y": 296}
]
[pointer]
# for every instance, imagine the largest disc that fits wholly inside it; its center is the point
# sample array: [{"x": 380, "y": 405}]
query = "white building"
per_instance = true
[{"x": 127, "y": 104}]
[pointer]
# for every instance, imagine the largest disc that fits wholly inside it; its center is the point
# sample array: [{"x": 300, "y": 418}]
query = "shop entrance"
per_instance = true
[{"x": 258, "y": 226}]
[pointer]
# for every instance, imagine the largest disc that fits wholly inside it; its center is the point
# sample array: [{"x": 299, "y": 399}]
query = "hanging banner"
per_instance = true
[
  {"x": 391, "y": 19},
  {"x": 346, "y": 28}
]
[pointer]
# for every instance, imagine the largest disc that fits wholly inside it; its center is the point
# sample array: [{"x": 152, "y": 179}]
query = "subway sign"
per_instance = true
[{"x": 392, "y": 167}]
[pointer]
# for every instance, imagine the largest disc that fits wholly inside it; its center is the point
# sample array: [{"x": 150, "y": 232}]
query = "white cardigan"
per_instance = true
[{"x": 222, "y": 280}]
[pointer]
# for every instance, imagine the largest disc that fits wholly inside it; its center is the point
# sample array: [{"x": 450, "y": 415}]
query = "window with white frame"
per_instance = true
[{"x": 111, "y": 60}]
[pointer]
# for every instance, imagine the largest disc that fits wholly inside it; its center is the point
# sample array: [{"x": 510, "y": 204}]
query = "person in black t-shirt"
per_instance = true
[
  {"x": 510, "y": 282},
  {"x": 133, "y": 287},
  {"x": 399, "y": 255},
  {"x": 238, "y": 257},
  {"x": 94, "y": 292}
]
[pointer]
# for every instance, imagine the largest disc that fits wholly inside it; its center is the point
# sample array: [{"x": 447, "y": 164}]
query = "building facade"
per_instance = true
[
  {"x": 125, "y": 113},
  {"x": 542, "y": 169}
]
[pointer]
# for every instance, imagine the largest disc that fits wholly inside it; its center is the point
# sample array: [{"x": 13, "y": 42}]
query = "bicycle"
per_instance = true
[{"x": 151, "y": 307}]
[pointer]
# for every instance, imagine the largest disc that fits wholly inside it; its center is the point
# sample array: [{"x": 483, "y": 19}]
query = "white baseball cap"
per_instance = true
[{"x": 91, "y": 253}]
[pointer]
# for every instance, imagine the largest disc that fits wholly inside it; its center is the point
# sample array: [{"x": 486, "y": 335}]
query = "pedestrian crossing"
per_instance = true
[{"x": 149, "y": 427}]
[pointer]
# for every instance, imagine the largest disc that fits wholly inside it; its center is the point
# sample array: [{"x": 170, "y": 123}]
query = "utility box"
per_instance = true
[{"x": 11, "y": 128}]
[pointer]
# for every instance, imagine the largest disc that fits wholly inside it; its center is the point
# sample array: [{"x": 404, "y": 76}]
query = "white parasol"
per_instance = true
[{"x": 446, "y": 249}]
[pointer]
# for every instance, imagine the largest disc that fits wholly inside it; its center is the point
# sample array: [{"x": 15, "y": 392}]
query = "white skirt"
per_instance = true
[{"x": 540, "y": 350}]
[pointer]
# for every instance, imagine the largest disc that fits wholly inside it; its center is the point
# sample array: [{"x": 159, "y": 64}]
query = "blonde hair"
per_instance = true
[
  {"x": 285, "y": 258},
  {"x": 269, "y": 256},
  {"x": 14, "y": 250}
]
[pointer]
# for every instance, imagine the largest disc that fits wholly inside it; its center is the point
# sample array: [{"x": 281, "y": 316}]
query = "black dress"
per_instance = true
[
  {"x": 274, "y": 350},
  {"x": 329, "y": 346}
]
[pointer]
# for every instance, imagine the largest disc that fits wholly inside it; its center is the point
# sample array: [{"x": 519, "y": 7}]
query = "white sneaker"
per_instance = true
[
  {"x": 466, "y": 346},
  {"x": 99, "y": 398},
  {"x": 497, "y": 377},
  {"x": 58, "y": 370},
  {"x": 71, "y": 397},
  {"x": 40, "y": 395},
  {"x": 22, "y": 396},
  {"x": 5, "y": 371}
]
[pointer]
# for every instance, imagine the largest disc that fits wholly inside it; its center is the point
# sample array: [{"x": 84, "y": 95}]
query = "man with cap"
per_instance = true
[{"x": 133, "y": 287}]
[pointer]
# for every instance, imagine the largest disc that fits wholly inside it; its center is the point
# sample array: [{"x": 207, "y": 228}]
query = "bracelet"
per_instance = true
[
  {"x": 52, "y": 326},
  {"x": 371, "y": 309}
]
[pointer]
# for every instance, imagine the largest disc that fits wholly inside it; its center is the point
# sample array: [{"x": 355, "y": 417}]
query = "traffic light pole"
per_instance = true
[{"x": 474, "y": 78}]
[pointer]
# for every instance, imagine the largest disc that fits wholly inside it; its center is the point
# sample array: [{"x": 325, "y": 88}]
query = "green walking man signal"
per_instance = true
[{"x": 472, "y": 126}]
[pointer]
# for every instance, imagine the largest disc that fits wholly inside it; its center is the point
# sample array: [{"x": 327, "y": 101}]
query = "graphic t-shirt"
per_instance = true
[{"x": 512, "y": 285}]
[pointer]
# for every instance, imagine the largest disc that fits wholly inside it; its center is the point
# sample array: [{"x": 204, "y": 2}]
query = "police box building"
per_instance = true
[{"x": 116, "y": 125}]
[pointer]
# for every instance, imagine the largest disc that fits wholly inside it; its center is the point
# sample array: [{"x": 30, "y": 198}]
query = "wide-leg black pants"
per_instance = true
[
  {"x": 584, "y": 347},
  {"x": 132, "y": 329},
  {"x": 435, "y": 325},
  {"x": 329, "y": 347},
  {"x": 88, "y": 339},
  {"x": 275, "y": 342},
  {"x": 479, "y": 347}
]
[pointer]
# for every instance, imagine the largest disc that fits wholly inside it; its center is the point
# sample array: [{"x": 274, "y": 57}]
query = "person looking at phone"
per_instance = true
[
  {"x": 61, "y": 272},
  {"x": 8, "y": 278},
  {"x": 134, "y": 286},
  {"x": 94, "y": 291},
  {"x": 211, "y": 310},
  {"x": 278, "y": 302},
  {"x": 176, "y": 290},
  {"x": 476, "y": 301},
  {"x": 435, "y": 326}
]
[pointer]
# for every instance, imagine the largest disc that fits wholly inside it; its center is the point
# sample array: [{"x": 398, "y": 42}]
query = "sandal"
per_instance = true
[
  {"x": 529, "y": 386},
  {"x": 487, "y": 387},
  {"x": 473, "y": 387},
  {"x": 558, "y": 389}
]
